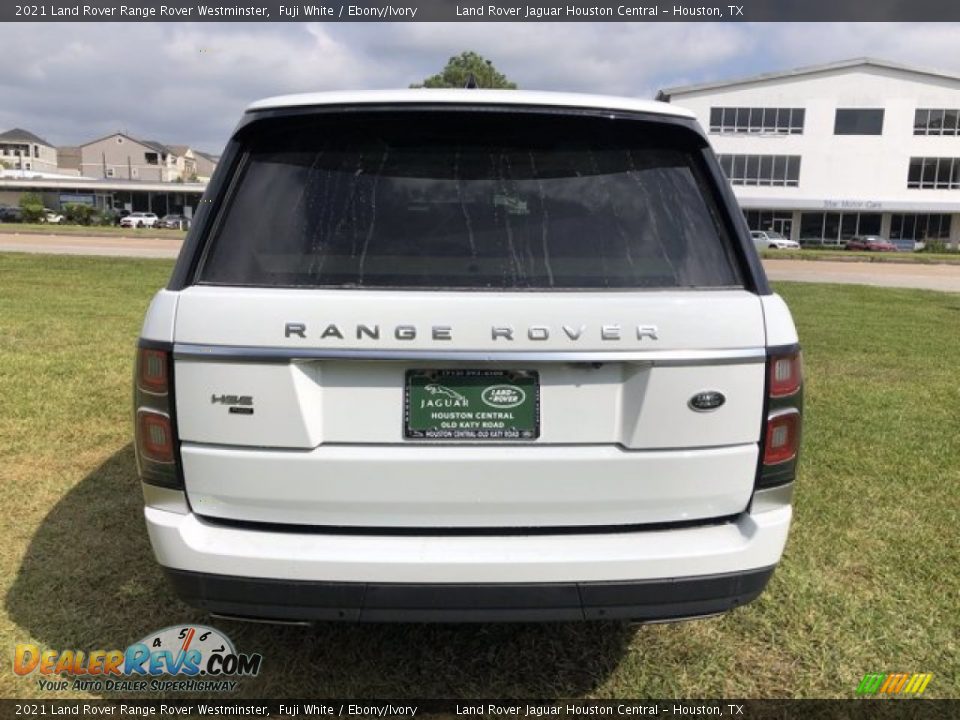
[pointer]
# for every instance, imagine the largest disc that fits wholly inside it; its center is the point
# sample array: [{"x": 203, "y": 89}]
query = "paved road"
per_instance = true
[
  {"x": 83, "y": 245},
  {"x": 925, "y": 277},
  {"x": 929, "y": 277}
]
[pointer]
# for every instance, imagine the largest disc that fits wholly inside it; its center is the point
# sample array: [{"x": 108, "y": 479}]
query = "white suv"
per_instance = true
[
  {"x": 772, "y": 240},
  {"x": 139, "y": 220},
  {"x": 467, "y": 355}
]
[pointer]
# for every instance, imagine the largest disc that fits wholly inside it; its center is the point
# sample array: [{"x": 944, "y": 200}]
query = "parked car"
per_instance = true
[
  {"x": 409, "y": 405},
  {"x": 139, "y": 220},
  {"x": 52, "y": 217},
  {"x": 9, "y": 214},
  {"x": 772, "y": 240},
  {"x": 172, "y": 221},
  {"x": 871, "y": 243}
]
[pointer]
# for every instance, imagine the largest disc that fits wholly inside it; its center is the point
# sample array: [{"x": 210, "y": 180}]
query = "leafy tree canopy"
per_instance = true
[{"x": 459, "y": 69}]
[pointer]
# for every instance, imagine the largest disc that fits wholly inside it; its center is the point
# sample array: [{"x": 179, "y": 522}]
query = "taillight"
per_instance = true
[
  {"x": 152, "y": 370},
  {"x": 156, "y": 436},
  {"x": 780, "y": 438},
  {"x": 157, "y": 445},
  {"x": 786, "y": 374},
  {"x": 783, "y": 437}
]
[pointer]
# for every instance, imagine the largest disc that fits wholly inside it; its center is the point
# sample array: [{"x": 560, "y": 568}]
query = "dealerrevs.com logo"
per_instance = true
[{"x": 202, "y": 658}]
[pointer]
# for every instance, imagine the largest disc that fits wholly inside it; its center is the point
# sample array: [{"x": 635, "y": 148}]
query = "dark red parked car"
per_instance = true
[{"x": 873, "y": 243}]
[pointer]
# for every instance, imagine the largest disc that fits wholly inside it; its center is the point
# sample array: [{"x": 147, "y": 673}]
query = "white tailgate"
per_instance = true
[{"x": 321, "y": 440}]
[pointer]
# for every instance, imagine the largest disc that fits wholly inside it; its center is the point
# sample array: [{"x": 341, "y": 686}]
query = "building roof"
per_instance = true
[
  {"x": 112, "y": 135},
  {"x": 852, "y": 63},
  {"x": 21, "y": 135},
  {"x": 208, "y": 156},
  {"x": 471, "y": 97},
  {"x": 159, "y": 147}
]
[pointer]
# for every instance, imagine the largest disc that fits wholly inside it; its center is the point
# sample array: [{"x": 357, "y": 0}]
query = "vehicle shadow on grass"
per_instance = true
[{"x": 89, "y": 581}]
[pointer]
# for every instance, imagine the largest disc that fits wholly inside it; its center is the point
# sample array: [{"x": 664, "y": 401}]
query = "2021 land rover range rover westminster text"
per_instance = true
[{"x": 454, "y": 355}]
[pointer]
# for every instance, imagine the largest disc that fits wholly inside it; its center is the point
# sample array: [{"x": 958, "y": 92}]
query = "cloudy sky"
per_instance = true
[{"x": 188, "y": 83}]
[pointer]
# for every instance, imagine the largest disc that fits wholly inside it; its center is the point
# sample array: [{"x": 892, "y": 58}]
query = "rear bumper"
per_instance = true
[
  {"x": 643, "y": 574},
  {"x": 292, "y": 600}
]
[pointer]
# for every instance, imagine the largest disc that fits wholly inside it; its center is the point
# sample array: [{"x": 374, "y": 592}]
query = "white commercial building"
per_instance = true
[{"x": 824, "y": 153}]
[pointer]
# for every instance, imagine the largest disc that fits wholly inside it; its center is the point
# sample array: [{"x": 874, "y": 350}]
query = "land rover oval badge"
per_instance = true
[{"x": 707, "y": 400}]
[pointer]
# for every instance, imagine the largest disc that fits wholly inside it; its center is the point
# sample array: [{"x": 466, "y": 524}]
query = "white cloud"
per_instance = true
[{"x": 188, "y": 83}]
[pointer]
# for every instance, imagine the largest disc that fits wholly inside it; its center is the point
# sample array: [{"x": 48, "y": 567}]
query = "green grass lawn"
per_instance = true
[
  {"x": 90, "y": 230},
  {"x": 869, "y": 582}
]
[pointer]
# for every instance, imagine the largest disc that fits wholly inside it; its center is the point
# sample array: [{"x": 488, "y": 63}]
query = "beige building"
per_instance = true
[
  {"x": 122, "y": 157},
  {"x": 206, "y": 164},
  {"x": 194, "y": 164},
  {"x": 22, "y": 150}
]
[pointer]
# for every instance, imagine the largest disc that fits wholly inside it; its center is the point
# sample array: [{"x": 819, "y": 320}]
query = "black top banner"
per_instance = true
[{"x": 486, "y": 11}]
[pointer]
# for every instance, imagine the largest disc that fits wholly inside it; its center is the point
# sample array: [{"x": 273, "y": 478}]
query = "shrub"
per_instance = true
[
  {"x": 31, "y": 204},
  {"x": 79, "y": 214},
  {"x": 937, "y": 245},
  {"x": 105, "y": 217}
]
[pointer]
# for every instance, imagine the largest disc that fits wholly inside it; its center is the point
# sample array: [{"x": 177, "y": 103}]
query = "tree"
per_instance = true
[{"x": 459, "y": 69}]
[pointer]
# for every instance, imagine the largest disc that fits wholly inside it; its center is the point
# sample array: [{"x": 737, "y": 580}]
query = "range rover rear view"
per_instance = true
[{"x": 444, "y": 355}]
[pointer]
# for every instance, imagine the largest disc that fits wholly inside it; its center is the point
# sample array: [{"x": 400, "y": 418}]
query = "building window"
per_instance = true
[
  {"x": 766, "y": 170},
  {"x": 36, "y": 151},
  {"x": 931, "y": 121},
  {"x": 785, "y": 121},
  {"x": 110, "y": 172},
  {"x": 151, "y": 158},
  {"x": 833, "y": 228},
  {"x": 934, "y": 173},
  {"x": 919, "y": 227},
  {"x": 858, "y": 121},
  {"x": 777, "y": 221}
]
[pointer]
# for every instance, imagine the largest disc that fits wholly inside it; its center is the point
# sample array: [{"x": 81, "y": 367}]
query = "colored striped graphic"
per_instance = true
[{"x": 894, "y": 683}]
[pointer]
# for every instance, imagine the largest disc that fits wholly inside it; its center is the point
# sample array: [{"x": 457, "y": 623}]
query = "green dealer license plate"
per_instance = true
[{"x": 472, "y": 405}]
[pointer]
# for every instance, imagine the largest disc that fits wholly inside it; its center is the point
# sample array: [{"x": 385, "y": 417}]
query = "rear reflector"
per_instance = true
[
  {"x": 783, "y": 437},
  {"x": 155, "y": 437},
  {"x": 786, "y": 374}
]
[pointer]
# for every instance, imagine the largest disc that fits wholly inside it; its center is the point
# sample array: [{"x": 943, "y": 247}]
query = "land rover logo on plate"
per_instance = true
[
  {"x": 707, "y": 400},
  {"x": 503, "y": 396}
]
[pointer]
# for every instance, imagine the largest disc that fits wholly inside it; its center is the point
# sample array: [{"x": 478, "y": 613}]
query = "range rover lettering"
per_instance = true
[{"x": 467, "y": 355}]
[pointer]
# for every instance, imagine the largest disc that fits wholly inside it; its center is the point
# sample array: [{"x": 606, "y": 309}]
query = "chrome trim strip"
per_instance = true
[
  {"x": 773, "y": 498},
  {"x": 182, "y": 351}
]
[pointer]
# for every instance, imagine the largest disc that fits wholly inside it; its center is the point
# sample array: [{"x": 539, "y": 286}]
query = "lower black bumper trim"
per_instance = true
[{"x": 639, "y": 600}]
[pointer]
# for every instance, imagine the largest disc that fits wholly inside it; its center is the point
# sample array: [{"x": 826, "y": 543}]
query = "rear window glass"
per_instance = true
[{"x": 468, "y": 200}]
